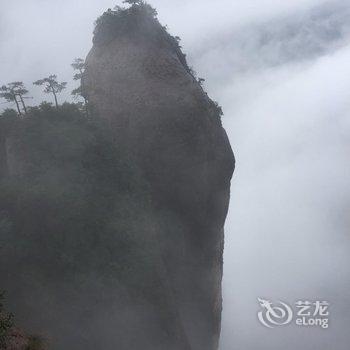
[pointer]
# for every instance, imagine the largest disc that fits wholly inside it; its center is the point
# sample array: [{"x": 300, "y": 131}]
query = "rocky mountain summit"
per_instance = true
[
  {"x": 111, "y": 223},
  {"x": 138, "y": 79}
]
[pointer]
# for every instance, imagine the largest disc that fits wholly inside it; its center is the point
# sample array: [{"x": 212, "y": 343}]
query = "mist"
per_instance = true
[{"x": 281, "y": 72}]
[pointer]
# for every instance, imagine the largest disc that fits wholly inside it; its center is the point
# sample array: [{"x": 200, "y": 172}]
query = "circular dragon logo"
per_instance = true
[{"x": 274, "y": 315}]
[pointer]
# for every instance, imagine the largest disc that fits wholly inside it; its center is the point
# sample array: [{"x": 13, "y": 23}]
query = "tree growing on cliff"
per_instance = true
[
  {"x": 52, "y": 86},
  {"x": 133, "y": 2},
  {"x": 141, "y": 5},
  {"x": 15, "y": 92},
  {"x": 79, "y": 66}
]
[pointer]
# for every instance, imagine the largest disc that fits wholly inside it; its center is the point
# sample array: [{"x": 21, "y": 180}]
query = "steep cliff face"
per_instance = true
[{"x": 138, "y": 80}]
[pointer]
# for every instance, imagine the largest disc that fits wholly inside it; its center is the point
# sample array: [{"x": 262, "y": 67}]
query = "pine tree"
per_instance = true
[
  {"x": 79, "y": 66},
  {"x": 52, "y": 86},
  {"x": 15, "y": 92}
]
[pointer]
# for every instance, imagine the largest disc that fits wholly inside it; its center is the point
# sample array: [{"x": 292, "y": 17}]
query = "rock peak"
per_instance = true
[{"x": 138, "y": 79}]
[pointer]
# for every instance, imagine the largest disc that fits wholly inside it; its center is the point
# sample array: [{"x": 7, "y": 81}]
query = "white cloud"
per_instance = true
[{"x": 287, "y": 228}]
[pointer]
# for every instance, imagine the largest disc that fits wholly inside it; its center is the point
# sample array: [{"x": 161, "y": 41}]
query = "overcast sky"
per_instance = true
[{"x": 281, "y": 71}]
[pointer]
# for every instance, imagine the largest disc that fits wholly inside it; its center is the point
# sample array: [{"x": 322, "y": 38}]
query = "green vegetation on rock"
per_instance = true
[{"x": 137, "y": 21}]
